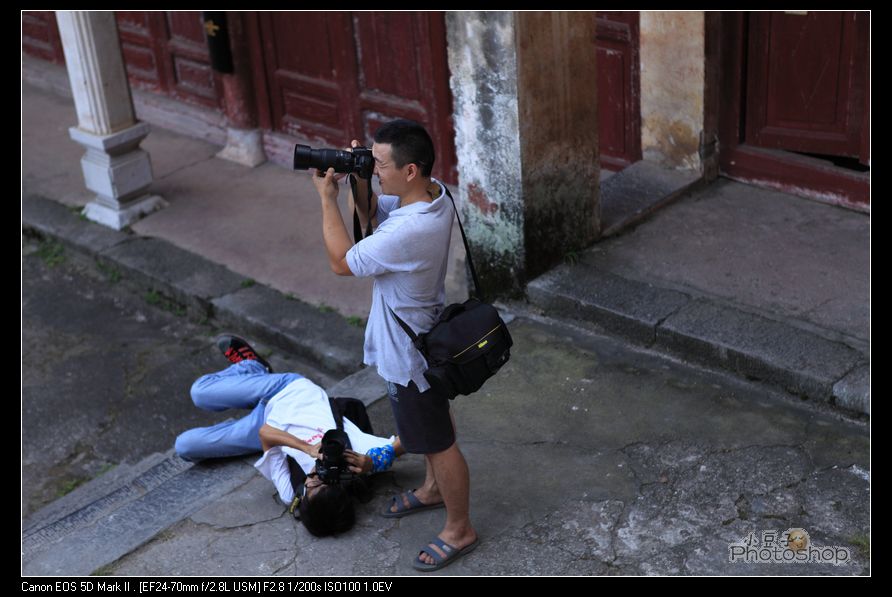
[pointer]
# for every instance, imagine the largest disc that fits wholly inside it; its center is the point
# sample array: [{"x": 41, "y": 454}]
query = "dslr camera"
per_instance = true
[
  {"x": 359, "y": 160},
  {"x": 332, "y": 468}
]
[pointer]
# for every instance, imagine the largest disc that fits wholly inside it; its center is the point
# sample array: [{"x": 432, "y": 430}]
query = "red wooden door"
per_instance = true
[
  {"x": 332, "y": 77},
  {"x": 619, "y": 96},
  {"x": 40, "y": 36},
  {"x": 306, "y": 55},
  {"x": 166, "y": 52},
  {"x": 793, "y": 84},
  {"x": 806, "y": 89}
]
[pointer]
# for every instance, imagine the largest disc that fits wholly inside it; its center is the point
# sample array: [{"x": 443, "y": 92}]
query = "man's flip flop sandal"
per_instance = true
[
  {"x": 415, "y": 505},
  {"x": 452, "y": 554}
]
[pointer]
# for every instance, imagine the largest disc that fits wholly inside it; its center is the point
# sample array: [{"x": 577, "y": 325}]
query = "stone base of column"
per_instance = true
[
  {"x": 244, "y": 147},
  {"x": 120, "y": 217},
  {"x": 120, "y": 173}
]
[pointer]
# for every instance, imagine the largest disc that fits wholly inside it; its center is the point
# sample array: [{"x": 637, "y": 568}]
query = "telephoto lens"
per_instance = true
[
  {"x": 360, "y": 160},
  {"x": 322, "y": 159}
]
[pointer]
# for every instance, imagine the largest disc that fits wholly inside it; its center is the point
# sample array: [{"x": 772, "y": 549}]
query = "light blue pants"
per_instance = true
[{"x": 245, "y": 385}]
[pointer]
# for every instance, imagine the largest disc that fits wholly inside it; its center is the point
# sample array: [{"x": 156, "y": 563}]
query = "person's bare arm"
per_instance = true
[
  {"x": 334, "y": 233},
  {"x": 271, "y": 437}
]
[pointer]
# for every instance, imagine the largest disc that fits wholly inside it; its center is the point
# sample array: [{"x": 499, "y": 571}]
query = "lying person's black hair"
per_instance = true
[{"x": 329, "y": 511}]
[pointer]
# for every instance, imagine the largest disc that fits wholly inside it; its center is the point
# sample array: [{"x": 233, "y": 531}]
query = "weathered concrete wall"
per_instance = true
[
  {"x": 483, "y": 67},
  {"x": 525, "y": 110},
  {"x": 672, "y": 87}
]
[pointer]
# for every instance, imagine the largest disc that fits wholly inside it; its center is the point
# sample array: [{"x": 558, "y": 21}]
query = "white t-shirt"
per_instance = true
[{"x": 302, "y": 409}]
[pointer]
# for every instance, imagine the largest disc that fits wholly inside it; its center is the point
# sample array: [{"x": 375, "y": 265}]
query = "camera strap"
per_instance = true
[
  {"x": 478, "y": 291},
  {"x": 357, "y": 227}
]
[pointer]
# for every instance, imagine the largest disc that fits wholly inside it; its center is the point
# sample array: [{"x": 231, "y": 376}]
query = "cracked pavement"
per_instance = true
[
  {"x": 116, "y": 365},
  {"x": 587, "y": 457}
]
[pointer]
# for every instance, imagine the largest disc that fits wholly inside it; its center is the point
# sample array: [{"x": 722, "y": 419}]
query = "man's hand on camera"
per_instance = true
[
  {"x": 326, "y": 184},
  {"x": 359, "y": 463}
]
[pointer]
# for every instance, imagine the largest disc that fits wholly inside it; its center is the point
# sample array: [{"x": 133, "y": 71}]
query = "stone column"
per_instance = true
[
  {"x": 114, "y": 167},
  {"x": 524, "y": 90},
  {"x": 558, "y": 117}
]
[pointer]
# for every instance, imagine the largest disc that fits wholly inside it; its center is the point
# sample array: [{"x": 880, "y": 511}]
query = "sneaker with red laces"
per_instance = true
[{"x": 237, "y": 349}]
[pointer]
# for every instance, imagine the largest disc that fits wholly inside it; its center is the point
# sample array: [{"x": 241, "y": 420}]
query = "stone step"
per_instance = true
[
  {"x": 90, "y": 492},
  {"x": 806, "y": 361},
  {"x": 325, "y": 339},
  {"x": 108, "y": 518}
]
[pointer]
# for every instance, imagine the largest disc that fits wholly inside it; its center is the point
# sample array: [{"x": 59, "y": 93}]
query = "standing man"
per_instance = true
[{"x": 407, "y": 257}]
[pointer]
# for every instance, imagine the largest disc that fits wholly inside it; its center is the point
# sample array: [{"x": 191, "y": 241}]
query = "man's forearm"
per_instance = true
[
  {"x": 271, "y": 437},
  {"x": 337, "y": 242}
]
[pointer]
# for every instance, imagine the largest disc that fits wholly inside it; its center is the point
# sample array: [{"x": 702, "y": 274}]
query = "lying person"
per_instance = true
[{"x": 289, "y": 416}]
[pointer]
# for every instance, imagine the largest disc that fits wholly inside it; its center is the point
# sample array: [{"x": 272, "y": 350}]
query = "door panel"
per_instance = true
[
  {"x": 333, "y": 77},
  {"x": 619, "y": 105},
  {"x": 40, "y": 36},
  {"x": 166, "y": 52},
  {"x": 806, "y": 84}
]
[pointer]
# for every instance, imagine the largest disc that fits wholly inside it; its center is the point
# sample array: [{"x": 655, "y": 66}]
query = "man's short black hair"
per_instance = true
[
  {"x": 329, "y": 512},
  {"x": 409, "y": 143}
]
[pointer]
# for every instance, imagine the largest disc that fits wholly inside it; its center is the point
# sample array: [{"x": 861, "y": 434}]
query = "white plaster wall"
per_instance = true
[{"x": 673, "y": 63}]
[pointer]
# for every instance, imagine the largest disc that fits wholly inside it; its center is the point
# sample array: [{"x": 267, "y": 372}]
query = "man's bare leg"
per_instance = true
[
  {"x": 428, "y": 494},
  {"x": 453, "y": 480}
]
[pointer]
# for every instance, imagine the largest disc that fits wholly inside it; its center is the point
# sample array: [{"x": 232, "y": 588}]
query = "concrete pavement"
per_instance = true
[{"x": 588, "y": 455}]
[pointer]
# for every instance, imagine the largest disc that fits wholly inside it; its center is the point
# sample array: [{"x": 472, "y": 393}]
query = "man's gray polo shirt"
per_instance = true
[{"x": 407, "y": 256}]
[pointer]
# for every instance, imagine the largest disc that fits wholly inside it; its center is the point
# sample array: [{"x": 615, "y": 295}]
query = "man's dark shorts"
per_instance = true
[{"x": 422, "y": 419}]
